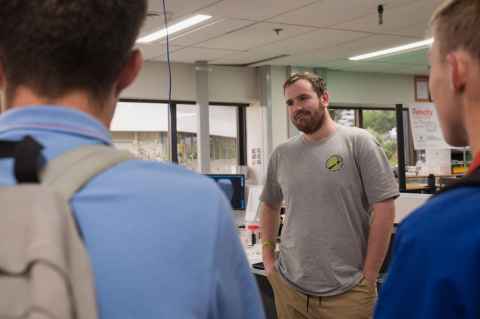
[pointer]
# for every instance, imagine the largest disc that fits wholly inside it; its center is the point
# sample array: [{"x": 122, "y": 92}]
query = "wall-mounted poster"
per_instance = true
[{"x": 426, "y": 130}]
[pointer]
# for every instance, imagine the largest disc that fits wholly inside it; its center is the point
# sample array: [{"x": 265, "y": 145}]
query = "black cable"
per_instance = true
[{"x": 168, "y": 55}]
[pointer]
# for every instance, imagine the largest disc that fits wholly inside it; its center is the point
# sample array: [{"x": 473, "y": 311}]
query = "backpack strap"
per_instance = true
[
  {"x": 472, "y": 179},
  {"x": 71, "y": 171}
]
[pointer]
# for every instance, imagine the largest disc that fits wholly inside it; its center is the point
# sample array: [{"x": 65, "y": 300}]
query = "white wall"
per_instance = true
[
  {"x": 257, "y": 158},
  {"x": 369, "y": 89},
  {"x": 226, "y": 84},
  {"x": 279, "y": 109}
]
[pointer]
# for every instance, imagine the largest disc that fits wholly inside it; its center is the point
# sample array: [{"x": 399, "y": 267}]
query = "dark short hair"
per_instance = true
[
  {"x": 456, "y": 24},
  {"x": 56, "y": 46},
  {"x": 318, "y": 84}
]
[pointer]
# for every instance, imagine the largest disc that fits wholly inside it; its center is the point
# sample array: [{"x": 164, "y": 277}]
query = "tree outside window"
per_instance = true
[{"x": 382, "y": 125}]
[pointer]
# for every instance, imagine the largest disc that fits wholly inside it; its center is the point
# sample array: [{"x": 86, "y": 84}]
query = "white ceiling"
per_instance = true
[{"x": 316, "y": 33}]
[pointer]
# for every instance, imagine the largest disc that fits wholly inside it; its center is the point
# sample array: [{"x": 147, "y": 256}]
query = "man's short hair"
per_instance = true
[
  {"x": 318, "y": 84},
  {"x": 56, "y": 46},
  {"x": 456, "y": 24}
]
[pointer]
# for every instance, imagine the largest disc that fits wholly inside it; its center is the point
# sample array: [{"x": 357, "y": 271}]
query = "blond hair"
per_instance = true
[{"x": 456, "y": 25}]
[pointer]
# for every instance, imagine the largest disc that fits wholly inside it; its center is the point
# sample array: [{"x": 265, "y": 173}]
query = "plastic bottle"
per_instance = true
[{"x": 253, "y": 233}]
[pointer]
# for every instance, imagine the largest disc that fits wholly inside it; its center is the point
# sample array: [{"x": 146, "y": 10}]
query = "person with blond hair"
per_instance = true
[{"x": 436, "y": 261}]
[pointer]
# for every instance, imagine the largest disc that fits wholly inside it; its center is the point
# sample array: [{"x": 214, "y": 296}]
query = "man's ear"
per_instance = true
[
  {"x": 325, "y": 99},
  {"x": 458, "y": 70},
  {"x": 130, "y": 71}
]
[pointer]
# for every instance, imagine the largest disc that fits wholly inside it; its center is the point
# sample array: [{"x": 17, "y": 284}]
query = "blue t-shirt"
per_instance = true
[
  {"x": 161, "y": 238},
  {"x": 435, "y": 269}
]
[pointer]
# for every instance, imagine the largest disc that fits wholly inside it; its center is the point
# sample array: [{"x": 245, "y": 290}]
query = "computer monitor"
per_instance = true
[{"x": 233, "y": 185}]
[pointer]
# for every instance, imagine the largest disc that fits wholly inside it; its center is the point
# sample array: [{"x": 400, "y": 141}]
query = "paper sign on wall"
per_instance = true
[{"x": 426, "y": 130}]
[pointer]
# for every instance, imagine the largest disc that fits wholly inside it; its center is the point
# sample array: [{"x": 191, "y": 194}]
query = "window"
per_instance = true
[
  {"x": 142, "y": 128},
  {"x": 346, "y": 117},
  {"x": 382, "y": 125},
  {"x": 223, "y": 138},
  {"x": 187, "y": 152}
]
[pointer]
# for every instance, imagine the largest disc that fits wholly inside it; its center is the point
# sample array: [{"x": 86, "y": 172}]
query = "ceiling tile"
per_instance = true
[
  {"x": 398, "y": 20},
  {"x": 176, "y": 10},
  {"x": 210, "y": 31},
  {"x": 191, "y": 55},
  {"x": 254, "y": 9},
  {"x": 312, "y": 41},
  {"x": 332, "y": 12},
  {"x": 243, "y": 58},
  {"x": 345, "y": 50},
  {"x": 316, "y": 32},
  {"x": 254, "y": 36},
  {"x": 156, "y": 49}
]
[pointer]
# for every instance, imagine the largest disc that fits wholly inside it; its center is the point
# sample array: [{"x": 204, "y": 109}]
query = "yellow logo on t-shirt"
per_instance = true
[{"x": 334, "y": 163}]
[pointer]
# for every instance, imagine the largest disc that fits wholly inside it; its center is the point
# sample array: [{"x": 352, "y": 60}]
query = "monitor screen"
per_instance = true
[{"x": 233, "y": 185}]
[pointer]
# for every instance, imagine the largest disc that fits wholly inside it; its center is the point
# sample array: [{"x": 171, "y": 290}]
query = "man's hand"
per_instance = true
[
  {"x": 378, "y": 239},
  {"x": 371, "y": 278},
  {"x": 268, "y": 260},
  {"x": 269, "y": 220}
]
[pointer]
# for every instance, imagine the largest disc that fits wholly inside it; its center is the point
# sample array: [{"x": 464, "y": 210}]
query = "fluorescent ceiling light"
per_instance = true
[
  {"x": 182, "y": 25},
  {"x": 406, "y": 47}
]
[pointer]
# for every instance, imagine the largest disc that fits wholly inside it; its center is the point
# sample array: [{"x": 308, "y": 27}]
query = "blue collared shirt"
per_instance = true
[{"x": 161, "y": 238}]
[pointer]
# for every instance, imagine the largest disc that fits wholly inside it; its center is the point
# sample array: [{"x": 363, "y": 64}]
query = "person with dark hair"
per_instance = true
[
  {"x": 63, "y": 65},
  {"x": 434, "y": 270},
  {"x": 339, "y": 190}
]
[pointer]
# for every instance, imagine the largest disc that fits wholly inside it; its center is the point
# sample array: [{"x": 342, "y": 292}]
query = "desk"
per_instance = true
[{"x": 417, "y": 187}]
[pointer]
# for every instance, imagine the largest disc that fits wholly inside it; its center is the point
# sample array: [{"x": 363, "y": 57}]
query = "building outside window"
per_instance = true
[
  {"x": 142, "y": 128},
  {"x": 223, "y": 138},
  {"x": 344, "y": 117},
  {"x": 187, "y": 151}
]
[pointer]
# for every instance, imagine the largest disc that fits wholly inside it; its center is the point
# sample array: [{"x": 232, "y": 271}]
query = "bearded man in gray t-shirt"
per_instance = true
[{"x": 339, "y": 191}]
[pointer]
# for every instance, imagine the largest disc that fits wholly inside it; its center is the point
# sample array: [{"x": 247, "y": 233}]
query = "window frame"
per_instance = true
[{"x": 172, "y": 124}]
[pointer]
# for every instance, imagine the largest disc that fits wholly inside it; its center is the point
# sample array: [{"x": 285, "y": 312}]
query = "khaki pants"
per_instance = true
[{"x": 357, "y": 303}]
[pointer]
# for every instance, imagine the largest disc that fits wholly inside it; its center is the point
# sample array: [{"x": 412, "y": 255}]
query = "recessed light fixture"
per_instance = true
[
  {"x": 406, "y": 47},
  {"x": 182, "y": 25}
]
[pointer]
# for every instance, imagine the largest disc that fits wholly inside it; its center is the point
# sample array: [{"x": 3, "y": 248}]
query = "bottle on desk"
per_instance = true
[{"x": 253, "y": 234}]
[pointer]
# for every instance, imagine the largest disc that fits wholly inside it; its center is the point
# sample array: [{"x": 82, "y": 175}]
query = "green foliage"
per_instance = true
[{"x": 379, "y": 121}]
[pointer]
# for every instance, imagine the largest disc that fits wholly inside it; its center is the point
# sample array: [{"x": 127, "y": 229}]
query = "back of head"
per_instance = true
[
  {"x": 57, "y": 46},
  {"x": 455, "y": 24}
]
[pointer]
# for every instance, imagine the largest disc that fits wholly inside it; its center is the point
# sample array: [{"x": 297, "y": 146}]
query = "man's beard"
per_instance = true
[{"x": 308, "y": 122}]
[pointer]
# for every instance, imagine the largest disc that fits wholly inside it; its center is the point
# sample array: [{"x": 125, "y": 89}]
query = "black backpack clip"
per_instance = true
[{"x": 27, "y": 156}]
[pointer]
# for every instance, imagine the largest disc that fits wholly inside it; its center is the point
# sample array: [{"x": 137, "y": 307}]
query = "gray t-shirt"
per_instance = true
[{"x": 329, "y": 187}]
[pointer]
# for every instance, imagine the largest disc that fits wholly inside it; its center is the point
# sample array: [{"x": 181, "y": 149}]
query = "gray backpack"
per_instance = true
[{"x": 45, "y": 270}]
